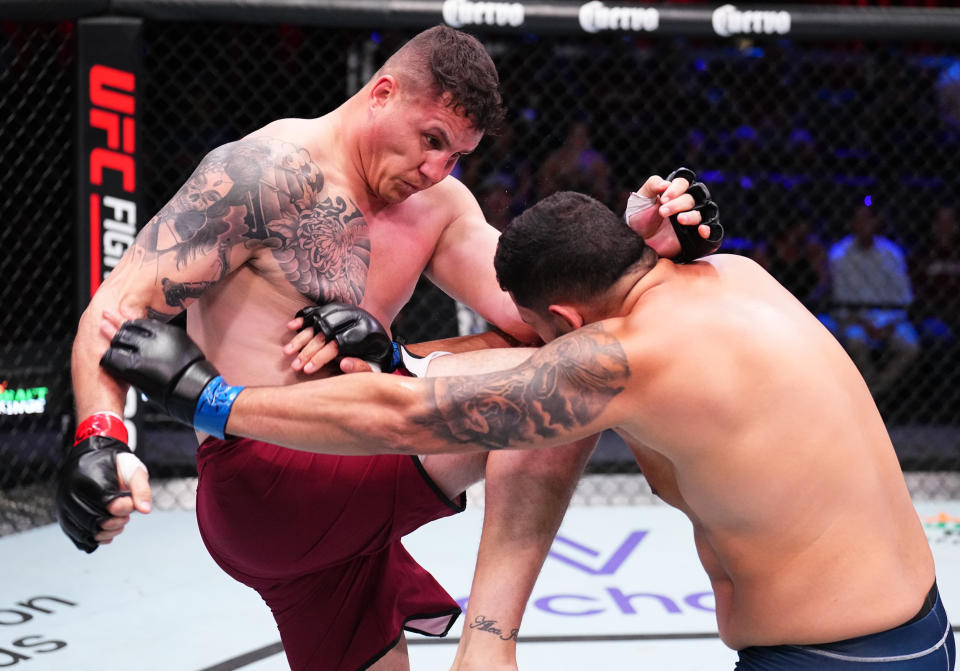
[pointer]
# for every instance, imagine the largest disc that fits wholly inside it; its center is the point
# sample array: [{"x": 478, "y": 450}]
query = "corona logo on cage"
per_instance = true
[
  {"x": 728, "y": 20},
  {"x": 458, "y": 13},
  {"x": 595, "y": 16},
  {"x": 113, "y": 216}
]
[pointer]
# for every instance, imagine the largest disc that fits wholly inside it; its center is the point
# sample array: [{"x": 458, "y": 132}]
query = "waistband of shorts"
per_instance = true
[
  {"x": 921, "y": 635},
  {"x": 929, "y": 601},
  {"x": 213, "y": 443},
  {"x": 213, "y": 440}
]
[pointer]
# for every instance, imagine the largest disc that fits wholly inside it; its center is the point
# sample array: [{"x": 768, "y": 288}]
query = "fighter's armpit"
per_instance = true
[
  {"x": 563, "y": 387},
  {"x": 161, "y": 315},
  {"x": 176, "y": 294}
]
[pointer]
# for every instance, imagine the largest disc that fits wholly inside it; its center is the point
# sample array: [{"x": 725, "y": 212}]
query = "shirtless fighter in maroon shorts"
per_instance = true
[{"x": 350, "y": 207}]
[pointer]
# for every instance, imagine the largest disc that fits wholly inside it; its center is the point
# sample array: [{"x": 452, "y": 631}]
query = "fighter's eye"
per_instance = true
[{"x": 432, "y": 141}]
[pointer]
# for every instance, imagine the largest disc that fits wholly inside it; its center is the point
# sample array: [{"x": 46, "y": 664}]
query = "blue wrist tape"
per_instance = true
[
  {"x": 213, "y": 406},
  {"x": 397, "y": 358}
]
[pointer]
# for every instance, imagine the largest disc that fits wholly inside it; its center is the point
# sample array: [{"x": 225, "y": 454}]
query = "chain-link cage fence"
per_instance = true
[
  {"x": 810, "y": 149},
  {"x": 36, "y": 258}
]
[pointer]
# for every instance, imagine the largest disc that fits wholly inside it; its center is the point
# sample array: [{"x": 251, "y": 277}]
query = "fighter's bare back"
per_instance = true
[{"x": 777, "y": 491}]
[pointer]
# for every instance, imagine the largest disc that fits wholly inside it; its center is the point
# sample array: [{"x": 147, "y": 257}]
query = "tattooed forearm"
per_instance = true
[
  {"x": 563, "y": 386},
  {"x": 482, "y": 623}
]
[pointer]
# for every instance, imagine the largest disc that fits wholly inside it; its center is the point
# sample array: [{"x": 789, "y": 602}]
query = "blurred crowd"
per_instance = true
[{"x": 889, "y": 290}]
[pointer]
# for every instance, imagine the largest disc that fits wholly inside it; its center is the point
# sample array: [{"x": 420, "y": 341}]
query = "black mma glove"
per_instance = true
[
  {"x": 163, "y": 362},
  {"x": 87, "y": 480},
  {"x": 692, "y": 245},
  {"x": 356, "y": 332}
]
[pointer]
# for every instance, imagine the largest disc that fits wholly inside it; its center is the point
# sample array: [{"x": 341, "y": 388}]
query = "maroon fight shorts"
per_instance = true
[{"x": 318, "y": 537}]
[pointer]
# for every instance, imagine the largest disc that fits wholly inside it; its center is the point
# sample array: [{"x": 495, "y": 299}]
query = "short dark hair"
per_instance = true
[
  {"x": 446, "y": 61},
  {"x": 566, "y": 247}
]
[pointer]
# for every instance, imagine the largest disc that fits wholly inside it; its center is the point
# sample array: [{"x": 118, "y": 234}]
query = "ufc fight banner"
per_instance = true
[{"x": 107, "y": 154}]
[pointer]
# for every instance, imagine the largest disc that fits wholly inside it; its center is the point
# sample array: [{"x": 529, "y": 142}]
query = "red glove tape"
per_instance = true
[{"x": 102, "y": 424}]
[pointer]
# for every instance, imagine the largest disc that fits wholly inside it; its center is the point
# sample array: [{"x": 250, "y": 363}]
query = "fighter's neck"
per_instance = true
[
  {"x": 635, "y": 286},
  {"x": 345, "y": 148}
]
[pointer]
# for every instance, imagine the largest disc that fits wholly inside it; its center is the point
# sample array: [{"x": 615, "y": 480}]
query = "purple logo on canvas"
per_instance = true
[{"x": 609, "y": 566}]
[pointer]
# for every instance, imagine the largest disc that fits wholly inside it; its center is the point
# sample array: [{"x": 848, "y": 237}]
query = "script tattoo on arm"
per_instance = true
[
  {"x": 483, "y": 623},
  {"x": 563, "y": 386}
]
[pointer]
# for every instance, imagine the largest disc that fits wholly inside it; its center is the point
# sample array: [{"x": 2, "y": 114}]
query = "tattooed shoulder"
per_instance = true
[
  {"x": 229, "y": 202},
  {"x": 564, "y": 386},
  {"x": 259, "y": 194},
  {"x": 230, "y": 197}
]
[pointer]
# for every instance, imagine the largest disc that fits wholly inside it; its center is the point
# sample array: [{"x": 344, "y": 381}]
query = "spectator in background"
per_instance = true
[
  {"x": 798, "y": 260},
  {"x": 502, "y": 160},
  {"x": 935, "y": 269},
  {"x": 576, "y": 166},
  {"x": 495, "y": 195},
  {"x": 871, "y": 294}
]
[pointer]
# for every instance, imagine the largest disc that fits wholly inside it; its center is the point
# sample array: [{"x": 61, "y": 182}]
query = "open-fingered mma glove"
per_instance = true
[
  {"x": 163, "y": 362},
  {"x": 359, "y": 334},
  {"x": 167, "y": 366},
  {"x": 356, "y": 332},
  {"x": 692, "y": 244},
  {"x": 87, "y": 480}
]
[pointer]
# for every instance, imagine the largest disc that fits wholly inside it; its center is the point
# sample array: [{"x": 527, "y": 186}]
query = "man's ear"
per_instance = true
[
  {"x": 382, "y": 90},
  {"x": 566, "y": 317}
]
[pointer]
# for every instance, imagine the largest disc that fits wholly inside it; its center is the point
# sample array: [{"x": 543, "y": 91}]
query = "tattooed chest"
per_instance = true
[
  {"x": 324, "y": 251},
  {"x": 260, "y": 195}
]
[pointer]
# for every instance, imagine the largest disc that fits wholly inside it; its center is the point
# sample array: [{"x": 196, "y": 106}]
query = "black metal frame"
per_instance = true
[{"x": 756, "y": 21}]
